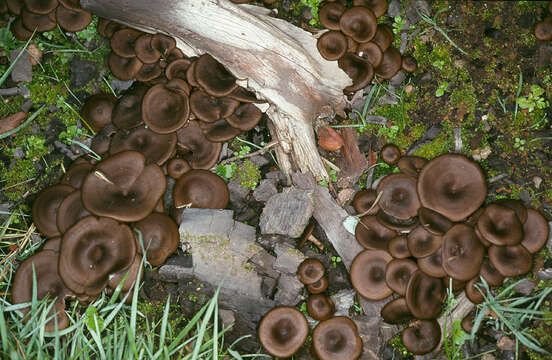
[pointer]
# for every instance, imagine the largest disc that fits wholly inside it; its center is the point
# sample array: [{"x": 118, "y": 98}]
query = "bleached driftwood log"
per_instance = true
[{"x": 279, "y": 61}]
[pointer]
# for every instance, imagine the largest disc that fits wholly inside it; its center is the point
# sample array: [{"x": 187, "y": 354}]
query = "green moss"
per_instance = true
[
  {"x": 154, "y": 312},
  {"x": 441, "y": 144},
  {"x": 15, "y": 181},
  {"x": 464, "y": 98},
  {"x": 248, "y": 174}
]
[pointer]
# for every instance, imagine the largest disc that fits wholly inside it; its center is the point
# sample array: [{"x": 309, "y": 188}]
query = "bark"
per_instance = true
[{"x": 277, "y": 60}]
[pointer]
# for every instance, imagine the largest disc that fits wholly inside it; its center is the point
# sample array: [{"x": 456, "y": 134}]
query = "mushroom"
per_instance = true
[
  {"x": 364, "y": 200},
  {"x": 398, "y": 247},
  {"x": 396, "y": 312},
  {"x": 398, "y": 273},
  {"x": 378, "y": 7},
  {"x": 97, "y": 110},
  {"x": 102, "y": 140},
  {"x": 368, "y": 274},
  {"x": 72, "y": 19},
  {"x": 535, "y": 231},
  {"x": 336, "y": 338},
  {"x": 329, "y": 15},
  {"x": 210, "y": 109},
  {"x": 38, "y": 22},
  {"x": 543, "y": 29},
  {"x": 332, "y": 45},
  {"x": 122, "y": 42},
  {"x": 390, "y": 153},
  {"x": 422, "y": 243},
  {"x": 329, "y": 139},
  {"x": 462, "y": 252},
  {"x": 178, "y": 69},
  {"x": 372, "y": 234},
  {"x": 422, "y": 337},
  {"x": 432, "y": 264},
  {"x": 371, "y": 52},
  {"x": 177, "y": 167},
  {"x": 320, "y": 307},
  {"x": 472, "y": 293},
  {"x": 282, "y": 331},
  {"x": 511, "y": 261},
  {"x": 19, "y": 31},
  {"x": 409, "y": 64},
  {"x": 434, "y": 222},
  {"x": 219, "y": 131},
  {"x": 390, "y": 63},
  {"x": 310, "y": 271},
  {"x": 195, "y": 148},
  {"x": 490, "y": 273},
  {"x": 213, "y": 77},
  {"x": 245, "y": 117},
  {"x": 157, "y": 148},
  {"x": 45, "y": 208},
  {"x": 42, "y": 7},
  {"x": 164, "y": 44},
  {"x": 411, "y": 165},
  {"x": 127, "y": 112},
  {"x": 500, "y": 225},
  {"x": 165, "y": 107},
  {"x": 516, "y": 205},
  {"x": 318, "y": 287},
  {"x": 359, "y": 70},
  {"x": 399, "y": 198},
  {"x": 243, "y": 95},
  {"x": 70, "y": 211},
  {"x": 359, "y": 23},
  {"x": 144, "y": 51},
  {"x": 131, "y": 276},
  {"x": 76, "y": 174},
  {"x": 424, "y": 295},
  {"x": 151, "y": 72},
  {"x": 398, "y": 225},
  {"x": 123, "y": 68},
  {"x": 160, "y": 237},
  {"x": 200, "y": 189},
  {"x": 467, "y": 322},
  {"x": 383, "y": 37}
]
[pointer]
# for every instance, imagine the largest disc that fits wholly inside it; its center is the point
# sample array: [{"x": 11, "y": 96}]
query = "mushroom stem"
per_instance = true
[{"x": 316, "y": 242}]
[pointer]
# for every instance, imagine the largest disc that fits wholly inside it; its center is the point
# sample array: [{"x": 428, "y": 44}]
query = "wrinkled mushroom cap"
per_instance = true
[
  {"x": 462, "y": 252},
  {"x": 368, "y": 274},
  {"x": 160, "y": 237},
  {"x": 422, "y": 337},
  {"x": 45, "y": 208},
  {"x": 336, "y": 338},
  {"x": 424, "y": 295},
  {"x": 200, "y": 189},
  {"x": 282, "y": 331},
  {"x": 310, "y": 271}
]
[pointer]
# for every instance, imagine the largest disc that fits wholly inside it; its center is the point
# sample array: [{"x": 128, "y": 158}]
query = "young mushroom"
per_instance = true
[
  {"x": 368, "y": 274},
  {"x": 282, "y": 331},
  {"x": 336, "y": 338}
]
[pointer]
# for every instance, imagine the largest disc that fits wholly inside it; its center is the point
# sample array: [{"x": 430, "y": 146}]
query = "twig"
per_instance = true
[
  {"x": 330, "y": 164},
  {"x": 258, "y": 152},
  {"x": 14, "y": 91}
]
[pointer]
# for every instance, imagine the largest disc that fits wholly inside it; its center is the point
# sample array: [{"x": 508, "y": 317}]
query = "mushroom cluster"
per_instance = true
[
  {"x": 543, "y": 29},
  {"x": 362, "y": 47},
  {"x": 425, "y": 227},
  {"x": 45, "y": 15}
]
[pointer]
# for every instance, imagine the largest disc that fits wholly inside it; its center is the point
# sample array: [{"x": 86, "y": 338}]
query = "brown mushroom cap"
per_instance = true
[
  {"x": 359, "y": 23},
  {"x": 411, "y": 165},
  {"x": 434, "y": 222},
  {"x": 399, "y": 198},
  {"x": 462, "y": 252},
  {"x": 329, "y": 139},
  {"x": 318, "y": 287},
  {"x": 390, "y": 154},
  {"x": 543, "y": 29},
  {"x": 15, "y": 6},
  {"x": 372, "y": 234},
  {"x": 164, "y": 44},
  {"x": 511, "y": 261},
  {"x": 329, "y": 15},
  {"x": 422, "y": 337},
  {"x": 177, "y": 167},
  {"x": 409, "y": 64},
  {"x": 195, "y": 148},
  {"x": 117, "y": 278},
  {"x": 282, "y": 331},
  {"x": 157, "y": 148},
  {"x": 123, "y": 187},
  {"x": 41, "y": 7},
  {"x": 332, "y": 45},
  {"x": 33, "y": 21},
  {"x": 320, "y": 307},
  {"x": 102, "y": 139},
  {"x": 383, "y": 37},
  {"x": 310, "y": 271},
  {"x": 500, "y": 225},
  {"x": 473, "y": 294},
  {"x": 490, "y": 273},
  {"x": 71, "y": 19},
  {"x": 371, "y": 52},
  {"x": 213, "y": 77},
  {"x": 516, "y": 205},
  {"x": 432, "y": 264},
  {"x": 452, "y": 185},
  {"x": 424, "y": 295},
  {"x": 144, "y": 51},
  {"x": 535, "y": 231},
  {"x": 368, "y": 274},
  {"x": 151, "y": 72},
  {"x": 127, "y": 112},
  {"x": 45, "y": 208},
  {"x": 398, "y": 247},
  {"x": 160, "y": 237},
  {"x": 336, "y": 338},
  {"x": 378, "y": 7},
  {"x": 70, "y": 211},
  {"x": 42, "y": 266},
  {"x": 76, "y": 174},
  {"x": 190, "y": 74},
  {"x": 398, "y": 273},
  {"x": 467, "y": 322},
  {"x": 219, "y": 131},
  {"x": 390, "y": 63},
  {"x": 19, "y": 31},
  {"x": 165, "y": 107},
  {"x": 97, "y": 110},
  {"x": 52, "y": 244},
  {"x": 457, "y": 285},
  {"x": 364, "y": 200},
  {"x": 245, "y": 117},
  {"x": 210, "y": 109},
  {"x": 391, "y": 222},
  {"x": 201, "y": 189},
  {"x": 359, "y": 70},
  {"x": 92, "y": 250},
  {"x": 396, "y": 312},
  {"x": 123, "y": 68},
  {"x": 122, "y": 42},
  {"x": 243, "y": 95}
]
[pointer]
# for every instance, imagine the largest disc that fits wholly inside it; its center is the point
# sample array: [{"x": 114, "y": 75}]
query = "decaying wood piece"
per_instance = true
[{"x": 279, "y": 61}]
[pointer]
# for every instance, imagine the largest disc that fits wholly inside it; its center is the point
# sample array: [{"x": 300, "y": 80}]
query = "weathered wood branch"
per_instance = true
[{"x": 279, "y": 61}]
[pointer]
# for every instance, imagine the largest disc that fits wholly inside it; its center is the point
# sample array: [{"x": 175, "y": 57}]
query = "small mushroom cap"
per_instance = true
[
  {"x": 397, "y": 274},
  {"x": 151, "y": 72},
  {"x": 378, "y": 7},
  {"x": 122, "y": 42},
  {"x": 359, "y": 23},
  {"x": 19, "y": 31},
  {"x": 144, "y": 51},
  {"x": 194, "y": 147},
  {"x": 383, "y": 37},
  {"x": 282, "y": 331},
  {"x": 364, "y": 200},
  {"x": 178, "y": 69},
  {"x": 411, "y": 165},
  {"x": 452, "y": 185},
  {"x": 490, "y": 273},
  {"x": 209, "y": 108},
  {"x": 157, "y": 148},
  {"x": 305, "y": 235},
  {"x": 516, "y": 205},
  {"x": 318, "y": 287},
  {"x": 213, "y": 77},
  {"x": 177, "y": 167},
  {"x": 329, "y": 139},
  {"x": 422, "y": 337},
  {"x": 91, "y": 251},
  {"x": 462, "y": 252},
  {"x": 245, "y": 117},
  {"x": 320, "y": 307},
  {"x": 372, "y": 234},
  {"x": 368, "y": 274},
  {"x": 163, "y": 43},
  {"x": 434, "y": 222},
  {"x": 500, "y": 225},
  {"x": 127, "y": 112},
  {"x": 535, "y": 230},
  {"x": 117, "y": 278},
  {"x": 390, "y": 63},
  {"x": 165, "y": 107},
  {"x": 424, "y": 295},
  {"x": 398, "y": 247},
  {"x": 332, "y": 45},
  {"x": 329, "y": 15},
  {"x": 33, "y": 21},
  {"x": 543, "y": 29},
  {"x": 409, "y": 64},
  {"x": 396, "y": 312},
  {"x": 219, "y": 131},
  {"x": 97, "y": 110},
  {"x": 390, "y": 154},
  {"x": 124, "y": 68},
  {"x": 467, "y": 322},
  {"x": 432, "y": 264},
  {"x": 398, "y": 225},
  {"x": 160, "y": 237},
  {"x": 511, "y": 261},
  {"x": 399, "y": 198},
  {"x": 243, "y": 95},
  {"x": 337, "y": 338},
  {"x": 45, "y": 208},
  {"x": 71, "y": 19},
  {"x": 42, "y": 7},
  {"x": 76, "y": 174},
  {"x": 472, "y": 293},
  {"x": 201, "y": 189},
  {"x": 123, "y": 187},
  {"x": 371, "y": 52},
  {"x": 70, "y": 211},
  {"x": 102, "y": 139},
  {"x": 310, "y": 271},
  {"x": 359, "y": 70}
]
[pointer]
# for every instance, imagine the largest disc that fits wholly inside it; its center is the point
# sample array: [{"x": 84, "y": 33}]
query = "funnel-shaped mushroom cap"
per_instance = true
[
  {"x": 318, "y": 287},
  {"x": 243, "y": 95},
  {"x": 115, "y": 279},
  {"x": 535, "y": 231},
  {"x": 390, "y": 154},
  {"x": 332, "y": 45},
  {"x": 45, "y": 208},
  {"x": 398, "y": 247},
  {"x": 15, "y": 6},
  {"x": 399, "y": 198},
  {"x": 101, "y": 141},
  {"x": 72, "y": 20},
  {"x": 390, "y": 63},
  {"x": 409, "y": 64},
  {"x": 41, "y": 7},
  {"x": 124, "y": 68},
  {"x": 144, "y": 51},
  {"x": 70, "y": 4},
  {"x": 411, "y": 165},
  {"x": 378, "y": 7},
  {"x": 372, "y": 234},
  {"x": 398, "y": 225},
  {"x": 177, "y": 167},
  {"x": 329, "y": 15},
  {"x": 70, "y": 211},
  {"x": 383, "y": 37},
  {"x": 91, "y": 251},
  {"x": 163, "y": 43},
  {"x": 364, "y": 200},
  {"x": 127, "y": 112},
  {"x": 359, "y": 23},
  {"x": 397, "y": 274},
  {"x": 516, "y": 205},
  {"x": 76, "y": 174},
  {"x": 500, "y": 225},
  {"x": 424, "y": 295},
  {"x": 157, "y": 148},
  {"x": 213, "y": 77},
  {"x": 452, "y": 185},
  {"x": 34, "y": 21},
  {"x": 107, "y": 28},
  {"x": 160, "y": 237},
  {"x": 122, "y": 42},
  {"x": 320, "y": 307},
  {"x": 165, "y": 107},
  {"x": 434, "y": 222},
  {"x": 422, "y": 337},
  {"x": 359, "y": 70},
  {"x": 48, "y": 283},
  {"x": 432, "y": 264},
  {"x": 472, "y": 293},
  {"x": 310, "y": 271},
  {"x": 171, "y": 56},
  {"x": 543, "y": 29},
  {"x": 178, "y": 69},
  {"x": 396, "y": 312},
  {"x": 123, "y": 187},
  {"x": 368, "y": 274},
  {"x": 219, "y": 131},
  {"x": 282, "y": 331},
  {"x": 194, "y": 147},
  {"x": 209, "y": 108},
  {"x": 151, "y": 72},
  {"x": 490, "y": 273},
  {"x": 97, "y": 110},
  {"x": 511, "y": 261},
  {"x": 462, "y": 252},
  {"x": 200, "y": 189},
  {"x": 19, "y": 31},
  {"x": 337, "y": 338},
  {"x": 371, "y": 52},
  {"x": 245, "y": 117}
]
